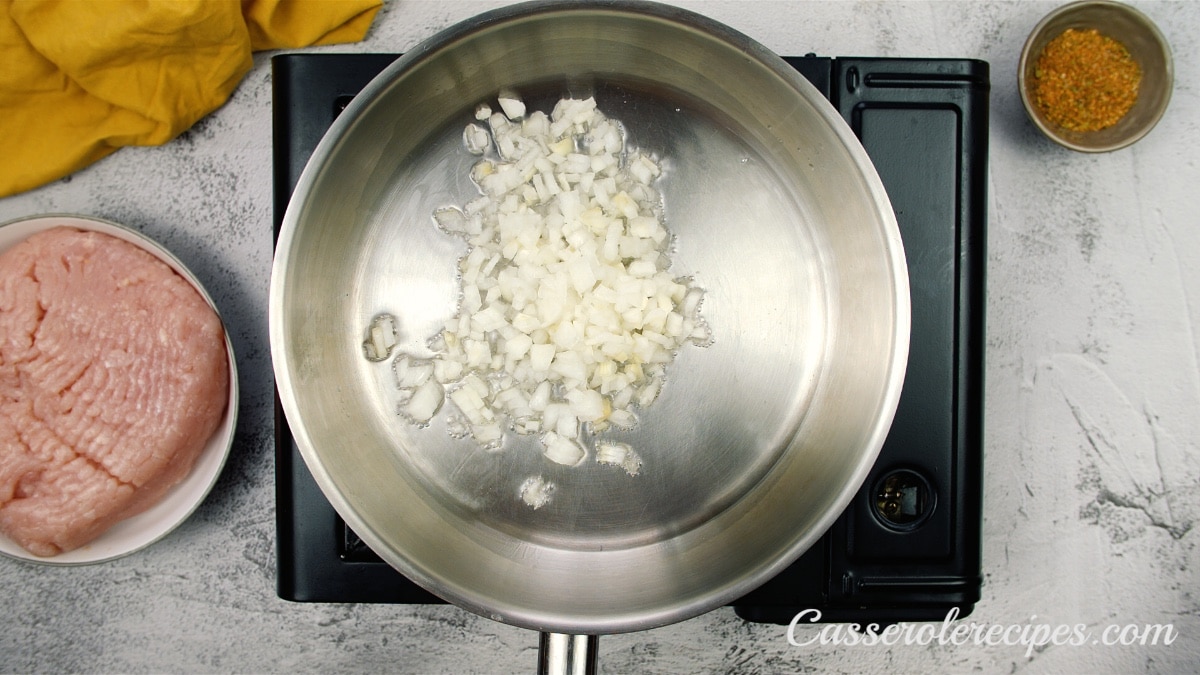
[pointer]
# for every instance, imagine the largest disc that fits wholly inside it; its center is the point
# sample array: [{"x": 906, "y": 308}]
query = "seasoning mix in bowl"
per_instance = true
[{"x": 1095, "y": 76}]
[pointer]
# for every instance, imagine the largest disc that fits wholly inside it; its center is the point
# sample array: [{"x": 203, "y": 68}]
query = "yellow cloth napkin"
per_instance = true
[{"x": 81, "y": 78}]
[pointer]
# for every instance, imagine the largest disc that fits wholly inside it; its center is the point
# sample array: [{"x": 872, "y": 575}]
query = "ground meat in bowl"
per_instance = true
[{"x": 113, "y": 376}]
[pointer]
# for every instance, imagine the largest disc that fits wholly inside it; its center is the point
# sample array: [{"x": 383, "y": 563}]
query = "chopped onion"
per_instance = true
[
  {"x": 381, "y": 337},
  {"x": 536, "y": 492},
  {"x": 476, "y": 139},
  {"x": 410, "y": 372},
  {"x": 568, "y": 315},
  {"x": 426, "y": 400},
  {"x": 513, "y": 107},
  {"x": 562, "y": 449},
  {"x": 620, "y": 454}
]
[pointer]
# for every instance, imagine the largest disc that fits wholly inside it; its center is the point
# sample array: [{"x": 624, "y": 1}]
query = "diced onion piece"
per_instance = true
[
  {"x": 540, "y": 357},
  {"x": 426, "y": 400},
  {"x": 562, "y": 449},
  {"x": 447, "y": 370},
  {"x": 622, "y": 419},
  {"x": 488, "y": 319},
  {"x": 619, "y": 454},
  {"x": 588, "y": 405},
  {"x": 536, "y": 491},
  {"x": 410, "y": 372},
  {"x": 644, "y": 169},
  {"x": 489, "y": 436},
  {"x": 476, "y": 139},
  {"x": 381, "y": 337},
  {"x": 470, "y": 404},
  {"x": 541, "y": 396},
  {"x": 513, "y": 107},
  {"x": 649, "y": 393},
  {"x": 611, "y": 452}
]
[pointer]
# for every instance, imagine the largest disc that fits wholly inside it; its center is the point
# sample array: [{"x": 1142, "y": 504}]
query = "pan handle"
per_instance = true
[{"x": 560, "y": 654}]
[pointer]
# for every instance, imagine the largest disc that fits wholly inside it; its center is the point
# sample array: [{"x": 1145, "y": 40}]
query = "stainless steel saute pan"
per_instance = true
[{"x": 757, "y": 442}]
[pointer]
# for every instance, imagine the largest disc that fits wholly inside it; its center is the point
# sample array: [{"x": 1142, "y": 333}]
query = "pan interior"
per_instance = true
[
  {"x": 728, "y": 408},
  {"x": 757, "y": 441}
]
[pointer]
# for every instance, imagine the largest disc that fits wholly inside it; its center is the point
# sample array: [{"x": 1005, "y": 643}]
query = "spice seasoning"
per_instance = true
[{"x": 1085, "y": 81}]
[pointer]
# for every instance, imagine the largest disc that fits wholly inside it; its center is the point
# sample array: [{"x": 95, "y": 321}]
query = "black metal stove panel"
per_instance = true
[{"x": 908, "y": 547}]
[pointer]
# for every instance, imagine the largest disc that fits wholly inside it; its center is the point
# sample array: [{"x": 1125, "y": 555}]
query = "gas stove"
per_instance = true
[{"x": 908, "y": 546}]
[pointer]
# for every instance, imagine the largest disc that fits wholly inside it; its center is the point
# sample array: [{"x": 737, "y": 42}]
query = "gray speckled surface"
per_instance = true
[{"x": 1092, "y": 410}]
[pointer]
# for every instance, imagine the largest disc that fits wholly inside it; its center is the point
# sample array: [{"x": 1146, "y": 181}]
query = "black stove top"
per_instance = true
[{"x": 908, "y": 546}]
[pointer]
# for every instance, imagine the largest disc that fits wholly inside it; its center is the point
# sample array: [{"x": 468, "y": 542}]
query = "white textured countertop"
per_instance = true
[{"x": 1092, "y": 399}]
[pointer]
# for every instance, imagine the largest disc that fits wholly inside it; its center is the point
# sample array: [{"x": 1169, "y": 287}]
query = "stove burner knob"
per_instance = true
[{"x": 903, "y": 500}]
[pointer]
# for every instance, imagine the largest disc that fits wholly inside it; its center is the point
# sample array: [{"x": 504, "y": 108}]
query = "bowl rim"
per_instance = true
[{"x": 1039, "y": 29}]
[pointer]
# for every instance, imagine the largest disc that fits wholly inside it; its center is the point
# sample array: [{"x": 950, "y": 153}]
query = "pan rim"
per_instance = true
[{"x": 613, "y": 622}]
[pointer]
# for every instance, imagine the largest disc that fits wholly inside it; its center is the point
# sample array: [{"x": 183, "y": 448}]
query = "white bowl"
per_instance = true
[{"x": 142, "y": 530}]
